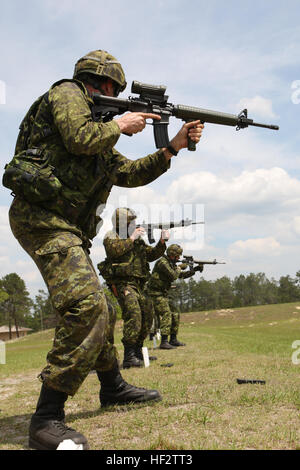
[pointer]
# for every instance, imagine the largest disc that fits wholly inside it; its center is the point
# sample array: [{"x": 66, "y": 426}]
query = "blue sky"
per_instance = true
[{"x": 222, "y": 56}]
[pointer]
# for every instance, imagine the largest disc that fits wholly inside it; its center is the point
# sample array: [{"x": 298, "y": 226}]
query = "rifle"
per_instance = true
[
  {"x": 191, "y": 261},
  {"x": 165, "y": 226},
  {"x": 152, "y": 99}
]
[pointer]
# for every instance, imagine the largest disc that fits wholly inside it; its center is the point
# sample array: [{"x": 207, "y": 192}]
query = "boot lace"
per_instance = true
[{"x": 62, "y": 427}]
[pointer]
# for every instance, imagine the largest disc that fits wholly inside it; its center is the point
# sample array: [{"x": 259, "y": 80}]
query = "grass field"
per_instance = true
[{"x": 203, "y": 407}]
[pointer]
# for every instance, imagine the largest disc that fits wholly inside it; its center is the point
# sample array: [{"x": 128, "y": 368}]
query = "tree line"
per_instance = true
[
  {"x": 17, "y": 308},
  {"x": 250, "y": 290}
]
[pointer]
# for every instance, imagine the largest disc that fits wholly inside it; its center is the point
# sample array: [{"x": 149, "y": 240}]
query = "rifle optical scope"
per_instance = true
[{"x": 148, "y": 91}]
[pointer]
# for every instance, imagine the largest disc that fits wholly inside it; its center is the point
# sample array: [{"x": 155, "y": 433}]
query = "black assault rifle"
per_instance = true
[
  {"x": 165, "y": 226},
  {"x": 152, "y": 99},
  {"x": 191, "y": 261}
]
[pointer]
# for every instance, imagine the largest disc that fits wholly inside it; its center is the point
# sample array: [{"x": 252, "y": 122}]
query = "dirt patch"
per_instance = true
[{"x": 8, "y": 384}]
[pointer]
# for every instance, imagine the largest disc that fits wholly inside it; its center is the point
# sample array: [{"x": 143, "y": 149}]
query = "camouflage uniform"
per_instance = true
[
  {"x": 158, "y": 288},
  {"x": 129, "y": 261},
  {"x": 56, "y": 228},
  {"x": 175, "y": 313}
]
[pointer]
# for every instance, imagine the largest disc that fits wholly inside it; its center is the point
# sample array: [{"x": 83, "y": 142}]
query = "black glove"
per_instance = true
[{"x": 199, "y": 268}]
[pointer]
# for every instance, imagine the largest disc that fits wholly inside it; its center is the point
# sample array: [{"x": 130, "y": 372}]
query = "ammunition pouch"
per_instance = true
[
  {"x": 30, "y": 176},
  {"x": 123, "y": 270},
  {"x": 106, "y": 270},
  {"x": 120, "y": 271}
]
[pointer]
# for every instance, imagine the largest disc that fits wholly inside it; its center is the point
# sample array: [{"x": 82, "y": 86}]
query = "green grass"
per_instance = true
[{"x": 203, "y": 407}]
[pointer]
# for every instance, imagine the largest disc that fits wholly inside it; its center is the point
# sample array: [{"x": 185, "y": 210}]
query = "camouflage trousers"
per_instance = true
[
  {"x": 84, "y": 336},
  {"x": 175, "y": 320},
  {"x": 167, "y": 318},
  {"x": 137, "y": 313}
]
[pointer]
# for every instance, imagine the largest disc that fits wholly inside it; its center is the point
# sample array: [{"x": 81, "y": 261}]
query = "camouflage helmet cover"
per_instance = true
[
  {"x": 174, "y": 250},
  {"x": 123, "y": 216},
  {"x": 101, "y": 64}
]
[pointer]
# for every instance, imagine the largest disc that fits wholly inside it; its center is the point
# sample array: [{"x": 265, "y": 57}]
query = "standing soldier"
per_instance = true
[
  {"x": 65, "y": 166},
  {"x": 158, "y": 288},
  {"x": 126, "y": 270}
]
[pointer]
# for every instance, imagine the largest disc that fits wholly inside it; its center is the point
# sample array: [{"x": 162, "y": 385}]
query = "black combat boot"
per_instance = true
[
  {"x": 115, "y": 391},
  {"x": 174, "y": 341},
  {"x": 47, "y": 427},
  {"x": 139, "y": 353},
  {"x": 130, "y": 358},
  {"x": 165, "y": 344}
]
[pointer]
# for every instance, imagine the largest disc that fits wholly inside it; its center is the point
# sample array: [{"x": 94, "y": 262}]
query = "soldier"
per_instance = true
[
  {"x": 126, "y": 270},
  {"x": 159, "y": 287},
  {"x": 64, "y": 167}
]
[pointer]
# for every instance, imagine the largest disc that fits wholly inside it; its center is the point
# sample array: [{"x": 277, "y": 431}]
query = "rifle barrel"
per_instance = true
[{"x": 266, "y": 126}]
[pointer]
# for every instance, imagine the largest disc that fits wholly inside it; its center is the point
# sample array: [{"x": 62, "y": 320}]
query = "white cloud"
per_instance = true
[
  {"x": 260, "y": 246},
  {"x": 296, "y": 225},
  {"x": 257, "y": 105},
  {"x": 245, "y": 178},
  {"x": 253, "y": 192}
]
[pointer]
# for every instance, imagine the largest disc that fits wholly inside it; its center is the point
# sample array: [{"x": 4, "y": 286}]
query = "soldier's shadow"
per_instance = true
[{"x": 14, "y": 429}]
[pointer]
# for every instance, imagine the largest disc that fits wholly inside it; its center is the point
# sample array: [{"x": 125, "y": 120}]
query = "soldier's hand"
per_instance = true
[
  {"x": 165, "y": 235},
  {"x": 139, "y": 232},
  {"x": 132, "y": 123},
  {"x": 183, "y": 266},
  {"x": 199, "y": 268},
  {"x": 189, "y": 129}
]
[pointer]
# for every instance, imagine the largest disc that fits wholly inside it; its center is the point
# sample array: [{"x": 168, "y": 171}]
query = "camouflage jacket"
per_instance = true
[
  {"x": 81, "y": 154},
  {"x": 164, "y": 273},
  {"x": 128, "y": 260}
]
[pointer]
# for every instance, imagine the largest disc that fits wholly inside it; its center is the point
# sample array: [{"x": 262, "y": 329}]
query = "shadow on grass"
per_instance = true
[{"x": 14, "y": 429}]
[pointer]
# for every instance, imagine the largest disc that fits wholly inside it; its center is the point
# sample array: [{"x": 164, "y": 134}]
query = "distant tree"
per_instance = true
[
  {"x": 269, "y": 294},
  {"x": 183, "y": 295},
  {"x": 238, "y": 290},
  {"x": 288, "y": 290},
  {"x": 17, "y": 305},
  {"x": 205, "y": 295},
  {"x": 3, "y": 296},
  {"x": 44, "y": 315},
  {"x": 224, "y": 292}
]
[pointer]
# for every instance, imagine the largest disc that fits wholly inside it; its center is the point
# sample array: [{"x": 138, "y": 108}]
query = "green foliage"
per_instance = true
[
  {"x": 242, "y": 291},
  {"x": 16, "y": 307},
  {"x": 3, "y": 295},
  {"x": 43, "y": 315}
]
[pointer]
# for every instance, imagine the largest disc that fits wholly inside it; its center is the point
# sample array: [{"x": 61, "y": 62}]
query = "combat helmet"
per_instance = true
[
  {"x": 123, "y": 216},
  {"x": 101, "y": 64},
  {"x": 174, "y": 250}
]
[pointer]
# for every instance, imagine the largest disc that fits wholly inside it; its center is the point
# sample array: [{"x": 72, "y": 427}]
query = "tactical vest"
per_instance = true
[
  {"x": 44, "y": 173},
  {"x": 131, "y": 266}
]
